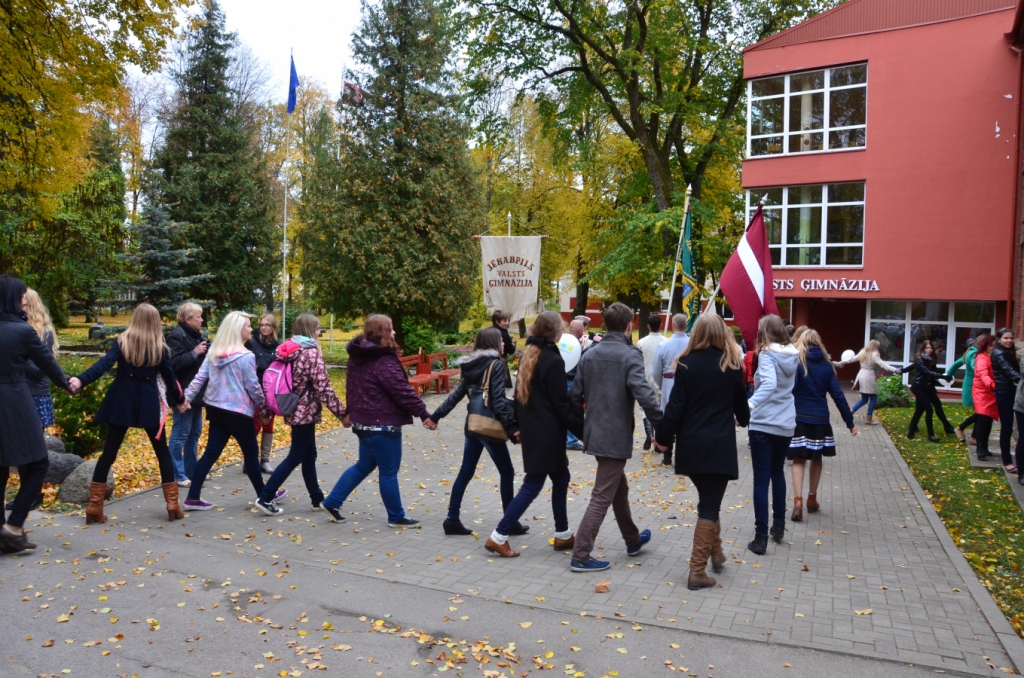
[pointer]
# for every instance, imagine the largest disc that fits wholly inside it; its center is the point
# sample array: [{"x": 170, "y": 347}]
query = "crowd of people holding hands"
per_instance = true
[{"x": 694, "y": 388}]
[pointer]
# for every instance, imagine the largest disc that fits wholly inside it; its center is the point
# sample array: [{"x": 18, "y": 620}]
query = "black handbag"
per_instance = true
[{"x": 481, "y": 420}]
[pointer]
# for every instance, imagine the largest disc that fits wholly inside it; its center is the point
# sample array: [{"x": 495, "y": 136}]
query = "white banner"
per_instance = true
[{"x": 512, "y": 274}]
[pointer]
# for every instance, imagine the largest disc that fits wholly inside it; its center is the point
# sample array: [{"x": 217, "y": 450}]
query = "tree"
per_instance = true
[
  {"x": 389, "y": 224},
  {"x": 160, "y": 262},
  {"x": 213, "y": 176}
]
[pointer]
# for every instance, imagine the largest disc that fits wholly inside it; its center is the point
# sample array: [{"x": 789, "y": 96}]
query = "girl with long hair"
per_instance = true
[
  {"x": 1006, "y": 371},
  {"x": 772, "y": 422},
  {"x": 871, "y": 363},
  {"x": 21, "y": 437},
  {"x": 984, "y": 394},
  {"x": 382, "y": 401},
  {"x": 544, "y": 414},
  {"x": 926, "y": 398},
  {"x": 310, "y": 381},
  {"x": 484, "y": 363},
  {"x": 135, "y": 399},
  {"x": 232, "y": 396},
  {"x": 264, "y": 346},
  {"x": 708, "y": 397},
  {"x": 813, "y": 438},
  {"x": 38, "y": 382}
]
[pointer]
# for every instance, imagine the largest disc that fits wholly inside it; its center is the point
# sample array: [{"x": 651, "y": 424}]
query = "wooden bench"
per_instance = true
[
  {"x": 423, "y": 378},
  {"x": 445, "y": 373}
]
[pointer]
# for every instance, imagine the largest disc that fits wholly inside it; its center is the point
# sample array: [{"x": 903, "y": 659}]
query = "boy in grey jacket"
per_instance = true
[{"x": 609, "y": 380}]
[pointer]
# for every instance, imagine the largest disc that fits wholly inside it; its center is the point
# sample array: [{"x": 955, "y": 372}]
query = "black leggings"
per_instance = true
[
  {"x": 968, "y": 422},
  {"x": 115, "y": 436},
  {"x": 32, "y": 475},
  {"x": 925, "y": 400},
  {"x": 710, "y": 490},
  {"x": 982, "y": 430}
]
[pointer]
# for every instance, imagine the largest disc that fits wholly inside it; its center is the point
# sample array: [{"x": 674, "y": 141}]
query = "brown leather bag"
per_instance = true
[{"x": 481, "y": 419}]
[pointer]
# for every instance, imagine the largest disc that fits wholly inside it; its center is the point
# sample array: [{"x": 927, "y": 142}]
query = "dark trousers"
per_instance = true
[
  {"x": 31, "y": 485},
  {"x": 982, "y": 430},
  {"x": 301, "y": 453},
  {"x": 115, "y": 436},
  {"x": 470, "y": 458},
  {"x": 927, "y": 400},
  {"x": 219, "y": 434},
  {"x": 1004, "y": 401},
  {"x": 969, "y": 421},
  {"x": 533, "y": 483},
  {"x": 768, "y": 457},
  {"x": 710, "y": 491},
  {"x": 610, "y": 489},
  {"x": 1020, "y": 443}
]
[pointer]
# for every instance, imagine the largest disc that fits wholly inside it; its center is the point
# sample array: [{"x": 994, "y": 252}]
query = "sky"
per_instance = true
[{"x": 318, "y": 31}]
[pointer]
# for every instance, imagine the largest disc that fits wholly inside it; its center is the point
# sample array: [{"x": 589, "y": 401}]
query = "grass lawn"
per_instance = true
[{"x": 976, "y": 505}]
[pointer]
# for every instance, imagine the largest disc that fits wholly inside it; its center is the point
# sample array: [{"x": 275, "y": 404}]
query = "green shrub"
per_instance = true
[
  {"x": 74, "y": 413},
  {"x": 479, "y": 316},
  {"x": 892, "y": 392},
  {"x": 419, "y": 335}
]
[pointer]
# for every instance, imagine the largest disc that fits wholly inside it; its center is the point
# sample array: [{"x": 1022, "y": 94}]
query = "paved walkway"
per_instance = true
[{"x": 872, "y": 548}]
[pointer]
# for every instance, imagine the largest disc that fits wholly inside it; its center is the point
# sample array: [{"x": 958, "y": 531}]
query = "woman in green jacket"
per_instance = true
[{"x": 967, "y": 362}]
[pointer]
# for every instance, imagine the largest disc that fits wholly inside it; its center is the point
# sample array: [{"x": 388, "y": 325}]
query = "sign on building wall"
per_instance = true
[
  {"x": 511, "y": 268},
  {"x": 828, "y": 285}
]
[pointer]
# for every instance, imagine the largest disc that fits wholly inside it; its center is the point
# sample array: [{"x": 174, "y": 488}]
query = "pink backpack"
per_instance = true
[{"x": 277, "y": 385}]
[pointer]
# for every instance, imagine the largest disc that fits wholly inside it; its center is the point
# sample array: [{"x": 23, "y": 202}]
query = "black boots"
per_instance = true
[
  {"x": 759, "y": 545},
  {"x": 456, "y": 527}
]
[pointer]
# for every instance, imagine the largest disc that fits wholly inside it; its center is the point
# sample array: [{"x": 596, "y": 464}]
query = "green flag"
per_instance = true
[{"x": 689, "y": 289}]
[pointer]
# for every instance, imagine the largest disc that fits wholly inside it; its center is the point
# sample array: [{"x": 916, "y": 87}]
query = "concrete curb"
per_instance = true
[{"x": 1012, "y": 643}]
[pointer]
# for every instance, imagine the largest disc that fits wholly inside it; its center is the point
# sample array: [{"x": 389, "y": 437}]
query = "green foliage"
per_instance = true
[
  {"x": 479, "y": 316},
  {"x": 892, "y": 392},
  {"x": 418, "y": 335},
  {"x": 213, "y": 175},
  {"x": 388, "y": 225},
  {"x": 74, "y": 413}
]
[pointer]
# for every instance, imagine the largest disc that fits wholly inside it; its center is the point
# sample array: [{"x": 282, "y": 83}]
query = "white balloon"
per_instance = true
[
  {"x": 569, "y": 347},
  {"x": 848, "y": 355}
]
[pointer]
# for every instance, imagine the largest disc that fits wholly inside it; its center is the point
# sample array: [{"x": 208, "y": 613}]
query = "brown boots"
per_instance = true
[
  {"x": 812, "y": 503},
  {"x": 94, "y": 513},
  {"x": 565, "y": 544},
  {"x": 171, "y": 497},
  {"x": 717, "y": 554},
  {"x": 503, "y": 550},
  {"x": 703, "y": 543}
]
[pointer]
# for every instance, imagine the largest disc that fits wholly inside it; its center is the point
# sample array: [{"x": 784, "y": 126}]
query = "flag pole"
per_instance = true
[
  {"x": 678, "y": 259},
  {"x": 711, "y": 302},
  {"x": 284, "y": 239}
]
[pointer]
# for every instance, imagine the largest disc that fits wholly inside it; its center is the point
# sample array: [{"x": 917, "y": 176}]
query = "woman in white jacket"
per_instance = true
[{"x": 871, "y": 364}]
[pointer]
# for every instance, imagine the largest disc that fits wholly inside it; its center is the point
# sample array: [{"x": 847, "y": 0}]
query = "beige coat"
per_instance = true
[{"x": 865, "y": 380}]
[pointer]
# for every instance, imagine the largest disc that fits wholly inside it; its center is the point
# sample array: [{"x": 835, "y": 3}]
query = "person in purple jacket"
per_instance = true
[{"x": 380, "y": 402}]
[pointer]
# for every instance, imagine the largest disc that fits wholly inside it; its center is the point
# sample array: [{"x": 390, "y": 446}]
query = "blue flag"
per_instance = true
[{"x": 292, "y": 84}]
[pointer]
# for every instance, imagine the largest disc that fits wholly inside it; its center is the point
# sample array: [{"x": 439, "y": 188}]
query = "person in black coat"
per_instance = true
[
  {"x": 501, "y": 322},
  {"x": 21, "y": 437},
  {"x": 188, "y": 351},
  {"x": 708, "y": 398},
  {"x": 135, "y": 399},
  {"x": 544, "y": 414},
  {"x": 926, "y": 398},
  {"x": 264, "y": 345},
  {"x": 1006, "y": 370},
  {"x": 483, "y": 363}
]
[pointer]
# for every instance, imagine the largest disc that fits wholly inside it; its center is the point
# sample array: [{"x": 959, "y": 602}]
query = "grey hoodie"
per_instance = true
[{"x": 771, "y": 407}]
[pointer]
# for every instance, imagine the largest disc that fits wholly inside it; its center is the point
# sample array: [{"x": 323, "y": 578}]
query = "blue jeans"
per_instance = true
[
  {"x": 301, "y": 453},
  {"x": 470, "y": 458},
  {"x": 220, "y": 432},
  {"x": 533, "y": 483},
  {"x": 570, "y": 439},
  {"x": 768, "y": 457},
  {"x": 869, "y": 399},
  {"x": 184, "y": 441},
  {"x": 377, "y": 450}
]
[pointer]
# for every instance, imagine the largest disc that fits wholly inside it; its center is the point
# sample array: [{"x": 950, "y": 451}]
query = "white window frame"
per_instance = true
[
  {"x": 951, "y": 326},
  {"x": 825, "y": 129},
  {"x": 754, "y": 194}
]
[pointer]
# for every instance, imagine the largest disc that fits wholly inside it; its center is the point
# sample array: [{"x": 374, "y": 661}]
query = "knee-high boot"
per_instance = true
[
  {"x": 703, "y": 538},
  {"x": 94, "y": 513},
  {"x": 171, "y": 497},
  {"x": 717, "y": 554}
]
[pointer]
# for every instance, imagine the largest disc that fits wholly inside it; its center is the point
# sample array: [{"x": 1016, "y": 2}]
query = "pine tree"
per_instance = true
[
  {"x": 161, "y": 263},
  {"x": 213, "y": 175},
  {"x": 388, "y": 226}
]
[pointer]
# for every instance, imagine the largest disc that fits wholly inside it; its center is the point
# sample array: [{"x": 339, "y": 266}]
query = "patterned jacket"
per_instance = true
[
  {"x": 309, "y": 373},
  {"x": 231, "y": 384}
]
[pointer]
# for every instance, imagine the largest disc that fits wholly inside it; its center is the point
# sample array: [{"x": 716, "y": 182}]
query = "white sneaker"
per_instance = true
[{"x": 185, "y": 483}]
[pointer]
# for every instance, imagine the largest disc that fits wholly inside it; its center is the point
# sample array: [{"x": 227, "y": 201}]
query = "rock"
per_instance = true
[
  {"x": 75, "y": 488},
  {"x": 61, "y": 466},
  {"x": 55, "y": 444}
]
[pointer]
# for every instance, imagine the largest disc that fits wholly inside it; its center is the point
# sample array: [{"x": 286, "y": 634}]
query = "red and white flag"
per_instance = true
[{"x": 747, "y": 281}]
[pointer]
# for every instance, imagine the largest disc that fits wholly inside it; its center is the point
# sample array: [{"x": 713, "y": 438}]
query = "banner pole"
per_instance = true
[
  {"x": 284, "y": 239},
  {"x": 678, "y": 261}
]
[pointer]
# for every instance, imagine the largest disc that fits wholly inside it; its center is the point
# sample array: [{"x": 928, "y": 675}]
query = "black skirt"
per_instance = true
[{"x": 812, "y": 441}]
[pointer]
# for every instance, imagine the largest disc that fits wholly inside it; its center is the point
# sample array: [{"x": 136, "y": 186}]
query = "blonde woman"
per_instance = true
[
  {"x": 233, "y": 395},
  {"x": 264, "y": 346},
  {"x": 871, "y": 363},
  {"x": 708, "y": 397},
  {"x": 133, "y": 400},
  {"x": 188, "y": 351}
]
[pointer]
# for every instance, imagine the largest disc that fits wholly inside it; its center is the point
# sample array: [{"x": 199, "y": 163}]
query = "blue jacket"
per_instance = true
[{"x": 812, "y": 387}]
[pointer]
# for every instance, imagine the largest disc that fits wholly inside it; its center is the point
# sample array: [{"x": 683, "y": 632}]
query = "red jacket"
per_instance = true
[{"x": 983, "y": 389}]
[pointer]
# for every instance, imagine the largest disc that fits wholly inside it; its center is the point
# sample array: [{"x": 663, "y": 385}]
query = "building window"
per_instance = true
[
  {"x": 819, "y": 225},
  {"x": 900, "y": 327},
  {"x": 809, "y": 112}
]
